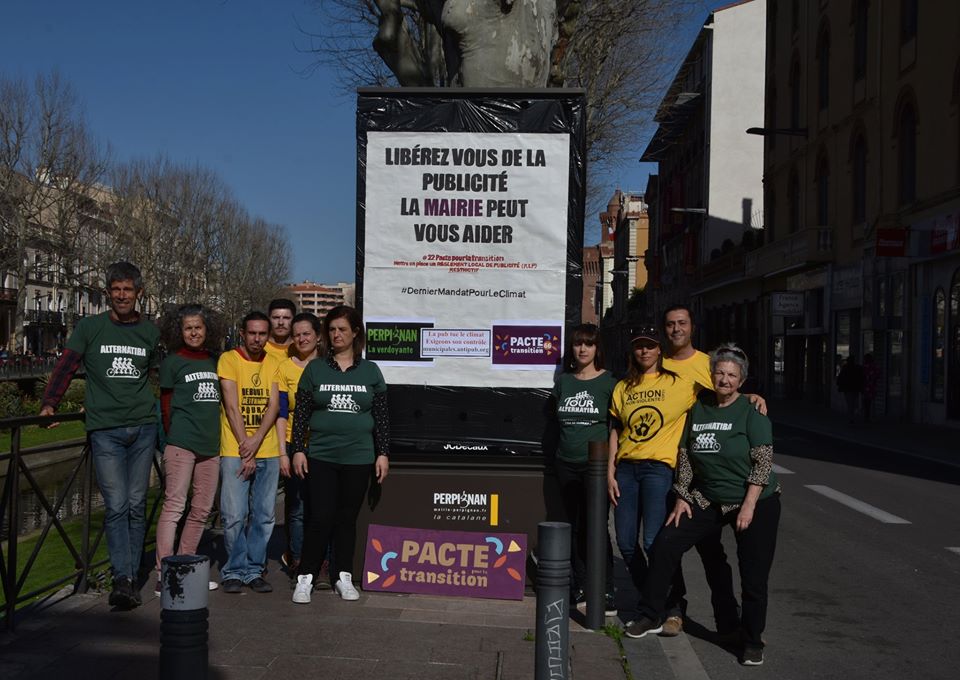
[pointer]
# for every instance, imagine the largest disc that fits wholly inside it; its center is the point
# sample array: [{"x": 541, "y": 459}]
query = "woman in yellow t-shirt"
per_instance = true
[
  {"x": 306, "y": 339},
  {"x": 648, "y": 410}
]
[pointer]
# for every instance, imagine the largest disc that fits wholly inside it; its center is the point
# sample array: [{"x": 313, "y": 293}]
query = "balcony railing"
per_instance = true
[
  {"x": 44, "y": 316},
  {"x": 807, "y": 246}
]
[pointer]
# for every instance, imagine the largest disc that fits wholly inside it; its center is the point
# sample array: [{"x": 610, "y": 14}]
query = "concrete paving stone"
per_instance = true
[
  {"x": 325, "y": 667},
  {"x": 436, "y": 616},
  {"x": 507, "y": 621},
  {"x": 312, "y": 641},
  {"x": 385, "y": 646},
  {"x": 236, "y": 673},
  {"x": 473, "y": 659},
  {"x": 250, "y": 651},
  {"x": 410, "y": 670}
]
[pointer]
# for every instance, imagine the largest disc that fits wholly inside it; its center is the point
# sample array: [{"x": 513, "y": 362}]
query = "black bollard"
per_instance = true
[
  {"x": 552, "y": 659},
  {"x": 598, "y": 537},
  {"x": 185, "y": 583}
]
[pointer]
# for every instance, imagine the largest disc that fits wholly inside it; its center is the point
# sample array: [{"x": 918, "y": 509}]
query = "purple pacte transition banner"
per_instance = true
[
  {"x": 526, "y": 345},
  {"x": 484, "y": 564}
]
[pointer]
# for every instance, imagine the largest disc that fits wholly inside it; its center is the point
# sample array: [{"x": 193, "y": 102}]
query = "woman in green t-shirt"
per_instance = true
[
  {"x": 581, "y": 400},
  {"x": 190, "y": 408},
  {"x": 724, "y": 477},
  {"x": 341, "y": 434}
]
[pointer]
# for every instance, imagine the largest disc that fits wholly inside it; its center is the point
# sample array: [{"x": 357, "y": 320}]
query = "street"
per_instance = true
[{"x": 865, "y": 583}]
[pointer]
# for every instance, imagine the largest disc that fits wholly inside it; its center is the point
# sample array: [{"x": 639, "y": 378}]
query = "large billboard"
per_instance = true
[
  {"x": 466, "y": 233},
  {"x": 469, "y": 247}
]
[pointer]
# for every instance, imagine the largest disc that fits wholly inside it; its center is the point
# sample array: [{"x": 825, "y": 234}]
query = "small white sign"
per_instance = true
[
  {"x": 786, "y": 304},
  {"x": 454, "y": 342}
]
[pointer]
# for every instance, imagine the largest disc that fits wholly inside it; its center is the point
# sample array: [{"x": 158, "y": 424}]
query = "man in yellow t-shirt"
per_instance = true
[
  {"x": 280, "y": 312},
  {"x": 693, "y": 365},
  {"x": 250, "y": 461}
]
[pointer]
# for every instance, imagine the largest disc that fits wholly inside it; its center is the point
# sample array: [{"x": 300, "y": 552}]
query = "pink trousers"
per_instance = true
[{"x": 181, "y": 467}]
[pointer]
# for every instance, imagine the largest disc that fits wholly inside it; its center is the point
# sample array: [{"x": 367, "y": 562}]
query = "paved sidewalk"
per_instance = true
[
  {"x": 929, "y": 442},
  {"x": 267, "y": 636}
]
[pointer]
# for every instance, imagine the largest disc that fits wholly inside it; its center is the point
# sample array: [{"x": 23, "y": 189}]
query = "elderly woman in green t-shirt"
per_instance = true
[{"x": 724, "y": 477}]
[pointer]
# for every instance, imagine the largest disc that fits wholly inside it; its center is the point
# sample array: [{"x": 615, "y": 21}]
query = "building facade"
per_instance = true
[
  {"x": 706, "y": 200},
  {"x": 320, "y": 298},
  {"x": 862, "y": 182}
]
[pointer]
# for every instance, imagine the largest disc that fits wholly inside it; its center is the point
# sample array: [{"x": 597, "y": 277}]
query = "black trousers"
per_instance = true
[
  {"x": 755, "y": 549},
  {"x": 716, "y": 569},
  {"x": 572, "y": 478},
  {"x": 336, "y": 494}
]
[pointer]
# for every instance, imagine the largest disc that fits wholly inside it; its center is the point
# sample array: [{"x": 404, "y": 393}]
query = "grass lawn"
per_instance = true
[{"x": 34, "y": 435}]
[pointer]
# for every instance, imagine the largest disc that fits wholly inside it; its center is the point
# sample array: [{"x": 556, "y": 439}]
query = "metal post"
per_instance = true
[
  {"x": 553, "y": 601},
  {"x": 87, "y": 496},
  {"x": 598, "y": 538},
  {"x": 185, "y": 583},
  {"x": 13, "y": 528}
]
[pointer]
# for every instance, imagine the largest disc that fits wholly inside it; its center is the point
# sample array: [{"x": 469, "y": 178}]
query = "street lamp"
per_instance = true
[
  {"x": 695, "y": 211},
  {"x": 766, "y": 132}
]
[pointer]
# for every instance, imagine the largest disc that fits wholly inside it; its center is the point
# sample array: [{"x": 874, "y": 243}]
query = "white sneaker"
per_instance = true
[
  {"x": 212, "y": 585},
  {"x": 344, "y": 587},
  {"x": 301, "y": 593}
]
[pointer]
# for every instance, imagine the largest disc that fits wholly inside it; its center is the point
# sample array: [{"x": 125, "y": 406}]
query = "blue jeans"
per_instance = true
[
  {"x": 644, "y": 490},
  {"x": 122, "y": 457},
  {"x": 247, "y": 509}
]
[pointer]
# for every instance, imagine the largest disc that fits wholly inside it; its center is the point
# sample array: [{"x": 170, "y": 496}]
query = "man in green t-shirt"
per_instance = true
[{"x": 118, "y": 350}]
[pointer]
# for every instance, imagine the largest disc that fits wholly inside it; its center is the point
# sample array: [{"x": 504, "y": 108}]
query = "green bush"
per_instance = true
[
  {"x": 11, "y": 401},
  {"x": 75, "y": 393}
]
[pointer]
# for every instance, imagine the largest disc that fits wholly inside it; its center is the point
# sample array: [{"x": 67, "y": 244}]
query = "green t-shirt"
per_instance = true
[
  {"x": 582, "y": 407},
  {"x": 718, "y": 442},
  {"x": 117, "y": 359},
  {"x": 194, "y": 403},
  {"x": 341, "y": 424}
]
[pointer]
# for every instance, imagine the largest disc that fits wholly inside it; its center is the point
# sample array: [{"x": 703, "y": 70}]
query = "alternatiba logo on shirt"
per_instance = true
[
  {"x": 123, "y": 367},
  {"x": 581, "y": 402},
  {"x": 343, "y": 403}
]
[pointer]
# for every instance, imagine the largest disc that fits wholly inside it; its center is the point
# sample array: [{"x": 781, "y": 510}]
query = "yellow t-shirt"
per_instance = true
[
  {"x": 253, "y": 380},
  {"x": 287, "y": 379},
  {"x": 696, "y": 369},
  {"x": 279, "y": 352},
  {"x": 652, "y": 414}
]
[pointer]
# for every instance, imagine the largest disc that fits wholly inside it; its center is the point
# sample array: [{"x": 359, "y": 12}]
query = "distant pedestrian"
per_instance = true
[
  {"x": 190, "y": 408},
  {"x": 118, "y": 349},
  {"x": 850, "y": 384},
  {"x": 871, "y": 383}
]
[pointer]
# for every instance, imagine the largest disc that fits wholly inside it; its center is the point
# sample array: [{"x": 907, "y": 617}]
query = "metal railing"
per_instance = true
[{"x": 12, "y": 574}]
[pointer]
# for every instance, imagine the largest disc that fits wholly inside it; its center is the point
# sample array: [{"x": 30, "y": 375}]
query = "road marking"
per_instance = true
[
  {"x": 851, "y": 502},
  {"x": 780, "y": 470},
  {"x": 954, "y": 550},
  {"x": 684, "y": 662}
]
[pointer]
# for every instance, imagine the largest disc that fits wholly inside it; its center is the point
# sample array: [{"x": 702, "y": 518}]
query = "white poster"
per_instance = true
[{"x": 468, "y": 231}]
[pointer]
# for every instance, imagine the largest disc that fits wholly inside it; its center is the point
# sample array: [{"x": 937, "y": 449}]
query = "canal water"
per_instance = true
[{"x": 52, "y": 480}]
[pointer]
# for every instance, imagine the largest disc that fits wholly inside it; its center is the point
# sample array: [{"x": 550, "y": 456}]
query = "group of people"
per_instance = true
[
  {"x": 238, "y": 420},
  {"x": 858, "y": 384},
  {"x": 688, "y": 455}
]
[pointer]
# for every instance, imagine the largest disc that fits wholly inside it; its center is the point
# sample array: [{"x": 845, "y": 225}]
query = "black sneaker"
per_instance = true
[
  {"x": 641, "y": 627},
  {"x": 122, "y": 594},
  {"x": 260, "y": 585},
  {"x": 752, "y": 656},
  {"x": 232, "y": 586},
  {"x": 610, "y": 605}
]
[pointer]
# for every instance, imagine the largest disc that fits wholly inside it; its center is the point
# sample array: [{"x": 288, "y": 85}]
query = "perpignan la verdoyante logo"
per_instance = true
[{"x": 456, "y": 563}]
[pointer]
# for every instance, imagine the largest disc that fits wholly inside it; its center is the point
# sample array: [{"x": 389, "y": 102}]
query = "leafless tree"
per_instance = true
[
  {"x": 620, "y": 51},
  {"x": 50, "y": 164}
]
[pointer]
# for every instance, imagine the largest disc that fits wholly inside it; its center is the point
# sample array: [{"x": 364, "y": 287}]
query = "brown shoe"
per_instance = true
[{"x": 672, "y": 627}]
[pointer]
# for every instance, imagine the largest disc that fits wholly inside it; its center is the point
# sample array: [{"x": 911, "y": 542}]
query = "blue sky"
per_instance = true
[{"x": 221, "y": 84}]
